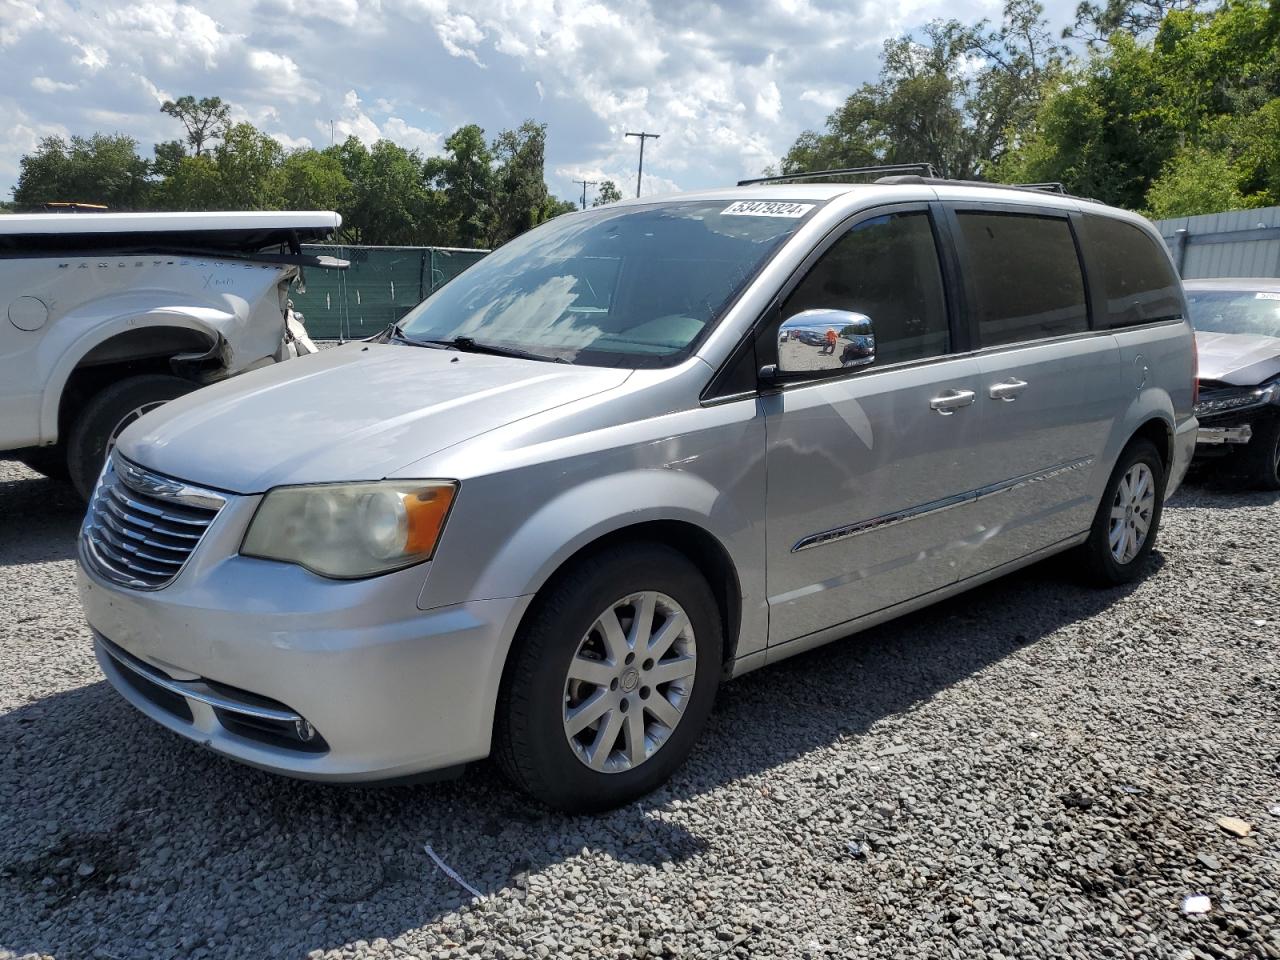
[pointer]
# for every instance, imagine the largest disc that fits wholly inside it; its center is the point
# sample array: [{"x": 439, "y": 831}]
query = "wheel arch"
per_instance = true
[
  {"x": 695, "y": 542},
  {"x": 126, "y": 346}
]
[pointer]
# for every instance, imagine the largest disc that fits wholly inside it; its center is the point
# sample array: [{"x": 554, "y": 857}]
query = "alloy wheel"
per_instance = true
[
  {"x": 1131, "y": 513},
  {"x": 629, "y": 682}
]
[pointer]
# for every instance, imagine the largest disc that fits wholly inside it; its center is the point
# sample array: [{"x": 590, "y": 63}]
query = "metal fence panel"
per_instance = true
[
  {"x": 381, "y": 286},
  {"x": 1238, "y": 243}
]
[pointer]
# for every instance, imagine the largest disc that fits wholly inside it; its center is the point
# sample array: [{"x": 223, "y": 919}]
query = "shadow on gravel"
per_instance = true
[
  {"x": 1204, "y": 490},
  {"x": 120, "y": 837},
  {"x": 39, "y": 520}
]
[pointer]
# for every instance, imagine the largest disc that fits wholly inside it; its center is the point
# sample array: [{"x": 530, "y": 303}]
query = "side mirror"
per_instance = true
[{"x": 823, "y": 342}]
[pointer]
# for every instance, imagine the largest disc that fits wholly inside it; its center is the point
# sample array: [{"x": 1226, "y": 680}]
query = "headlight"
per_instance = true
[
  {"x": 1242, "y": 399},
  {"x": 351, "y": 530}
]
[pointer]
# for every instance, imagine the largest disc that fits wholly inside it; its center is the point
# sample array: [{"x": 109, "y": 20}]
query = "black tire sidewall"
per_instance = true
[
  {"x": 1103, "y": 565},
  {"x": 546, "y": 764},
  {"x": 87, "y": 443},
  {"x": 1260, "y": 453}
]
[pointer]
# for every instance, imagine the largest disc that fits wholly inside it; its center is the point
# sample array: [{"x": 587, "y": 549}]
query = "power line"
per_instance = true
[
  {"x": 643, "y": 137},
  {"x": 585, "y": 184}
]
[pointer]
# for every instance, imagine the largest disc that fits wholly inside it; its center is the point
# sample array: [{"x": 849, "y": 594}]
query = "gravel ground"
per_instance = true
[{"x": 1034, "y": 769}]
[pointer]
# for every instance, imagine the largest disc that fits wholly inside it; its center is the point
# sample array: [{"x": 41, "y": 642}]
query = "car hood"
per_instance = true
[
  {"x": 357, "y": 412},
  {"x": 1242, "y": 359}
]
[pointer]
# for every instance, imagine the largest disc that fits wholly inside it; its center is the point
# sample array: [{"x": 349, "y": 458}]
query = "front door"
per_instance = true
[{"x": 867, "y": 472}]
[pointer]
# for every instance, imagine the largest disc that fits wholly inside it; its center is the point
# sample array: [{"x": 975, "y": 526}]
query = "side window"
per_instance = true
[
  {"x": 1137, "y": 279},
  {"x": 1024, "y": 277},
  {"x": 886, "y": 268}
]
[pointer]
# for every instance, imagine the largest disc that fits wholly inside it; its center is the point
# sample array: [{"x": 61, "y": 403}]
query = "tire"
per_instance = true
[
  {"x": 1108, "y": 565},
  {"x": 1260, "y": 459},
  {"x": 106, "y": 414},
  {"x": 533, "y": 742}
]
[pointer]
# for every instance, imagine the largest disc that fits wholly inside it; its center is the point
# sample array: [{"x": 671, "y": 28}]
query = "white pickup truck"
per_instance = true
[{"x": 109, "y": 315}]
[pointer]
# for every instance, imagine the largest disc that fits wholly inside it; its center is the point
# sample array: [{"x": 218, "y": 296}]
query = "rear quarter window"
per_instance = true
[
  {"x": 1024, "y": 276},
  {"x": 1138, "y": 282}
]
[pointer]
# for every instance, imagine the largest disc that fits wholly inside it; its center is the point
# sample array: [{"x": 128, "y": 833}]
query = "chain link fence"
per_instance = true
[{"x": 381, "y": 286}]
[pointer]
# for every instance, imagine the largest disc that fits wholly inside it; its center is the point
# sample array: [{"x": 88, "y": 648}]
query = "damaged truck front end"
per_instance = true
[{"x": 110, "y": 316}]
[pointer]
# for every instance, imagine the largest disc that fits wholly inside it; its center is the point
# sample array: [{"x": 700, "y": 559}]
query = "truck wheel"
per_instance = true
[
  {"x": 104, "y": 417},
  {"x": 1128, "y": 518},
  {"x": 1260, "y": 459},
  {"x": 611, "y": 680}
]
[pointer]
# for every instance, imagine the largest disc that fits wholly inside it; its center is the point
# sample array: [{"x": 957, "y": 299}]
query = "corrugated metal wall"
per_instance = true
[
  {"x": 1241, "y": 243},
  {"x": 381, "y": 286}
]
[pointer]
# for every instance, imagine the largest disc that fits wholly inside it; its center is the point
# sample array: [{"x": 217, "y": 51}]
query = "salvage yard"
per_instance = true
[{"x": 1033, "y": 769}]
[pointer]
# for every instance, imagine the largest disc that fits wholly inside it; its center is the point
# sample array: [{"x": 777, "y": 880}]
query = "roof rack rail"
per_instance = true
[
  {"x": 920, "y": 169},
  {"x": 1054, "y": 187}
]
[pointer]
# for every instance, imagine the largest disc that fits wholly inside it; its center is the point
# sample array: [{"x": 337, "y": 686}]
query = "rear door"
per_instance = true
[
  {"x": 1050, "y": 385},
  {"x": 864, "y": 470}
]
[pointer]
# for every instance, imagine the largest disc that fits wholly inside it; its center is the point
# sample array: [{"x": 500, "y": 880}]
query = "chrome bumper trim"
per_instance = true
[
  {"x": 1215, "y": 435},
  {"x": 193, "y": 689}
]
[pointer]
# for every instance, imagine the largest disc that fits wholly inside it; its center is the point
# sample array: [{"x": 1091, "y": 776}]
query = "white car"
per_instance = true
[{"x": 110, "y": 315}]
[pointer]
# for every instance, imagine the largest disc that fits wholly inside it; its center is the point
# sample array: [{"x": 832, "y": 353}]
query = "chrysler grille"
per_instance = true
[{"x": 141, "y": 527}]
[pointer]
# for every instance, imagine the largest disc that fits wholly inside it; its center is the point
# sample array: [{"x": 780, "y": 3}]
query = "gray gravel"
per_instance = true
[{"x": 1034, "y": 769}]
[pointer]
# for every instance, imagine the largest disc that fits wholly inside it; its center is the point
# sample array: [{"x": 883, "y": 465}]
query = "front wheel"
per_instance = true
[
  {"x": 105, "y": 417},
  {"x": 1125, "y": 526},
  {"x": 611, "y": 681},
  {"x": 1260, "y": 458}
]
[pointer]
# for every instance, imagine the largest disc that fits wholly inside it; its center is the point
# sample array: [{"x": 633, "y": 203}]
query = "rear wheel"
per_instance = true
[
  {"x": 612, "y": 679},
  {"x": 1128, "y": 519},
  {"x": 1260, "y": 458},
  {"x": 106, "y": 416}
]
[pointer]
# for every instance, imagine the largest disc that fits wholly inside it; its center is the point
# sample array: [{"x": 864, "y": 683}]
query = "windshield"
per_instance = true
[
  {"x": 618, "y": 286},
  {"x": 1235, "y": 311}
]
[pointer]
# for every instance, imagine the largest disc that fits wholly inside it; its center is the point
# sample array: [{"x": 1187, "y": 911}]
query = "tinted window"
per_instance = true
[
  {"x": 633, "y": 286},
  {"x": 1024, "y": 277},
  {"x": 1137, "y": 279},
  {"x": 886, "y": 268}
]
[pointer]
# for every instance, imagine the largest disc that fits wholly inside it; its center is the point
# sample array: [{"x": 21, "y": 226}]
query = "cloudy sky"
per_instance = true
[{"x": 727, "y": 84}]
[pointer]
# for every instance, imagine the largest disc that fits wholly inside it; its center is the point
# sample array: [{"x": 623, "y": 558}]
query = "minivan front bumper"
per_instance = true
[{"x": 386, "y": 690}]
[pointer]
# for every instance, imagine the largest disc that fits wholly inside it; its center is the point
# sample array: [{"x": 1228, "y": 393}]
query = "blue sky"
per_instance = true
[{"x": 728, "y": 84}]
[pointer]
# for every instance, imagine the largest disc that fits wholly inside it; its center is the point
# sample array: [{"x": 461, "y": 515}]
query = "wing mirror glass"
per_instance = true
[{"x": 824, "y": 342}]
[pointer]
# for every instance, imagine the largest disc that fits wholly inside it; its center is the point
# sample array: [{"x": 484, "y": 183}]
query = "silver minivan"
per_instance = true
[{"x": 639, "y": 450}]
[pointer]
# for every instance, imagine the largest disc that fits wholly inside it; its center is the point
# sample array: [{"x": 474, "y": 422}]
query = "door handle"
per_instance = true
[
  {"x": 1008, "y": 391},
  {"x": 951, "y": 401}
]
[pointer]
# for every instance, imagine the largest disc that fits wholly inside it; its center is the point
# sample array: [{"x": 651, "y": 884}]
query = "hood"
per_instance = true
[
  {"x": 358, "y": 412},
  {"x": 1241, "y": 359}
]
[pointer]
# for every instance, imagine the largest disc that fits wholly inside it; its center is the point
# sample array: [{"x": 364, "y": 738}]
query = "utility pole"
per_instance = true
[
  {"x": 643, "y": 137},
  {"x": 585, "y": 184},
  {"x": 331, "y": 133}
]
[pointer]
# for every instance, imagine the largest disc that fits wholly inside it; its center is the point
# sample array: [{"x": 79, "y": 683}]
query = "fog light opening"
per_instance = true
[{"x": 305, "y": 731}]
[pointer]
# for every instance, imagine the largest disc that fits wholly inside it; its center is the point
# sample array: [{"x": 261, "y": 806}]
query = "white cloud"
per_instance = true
[
  {"x": 728, "y": 83},
  {"x": 46, "y": 85}
]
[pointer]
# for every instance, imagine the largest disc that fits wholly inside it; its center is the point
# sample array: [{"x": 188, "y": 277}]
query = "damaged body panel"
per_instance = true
[{"x": 180, "y": 299}]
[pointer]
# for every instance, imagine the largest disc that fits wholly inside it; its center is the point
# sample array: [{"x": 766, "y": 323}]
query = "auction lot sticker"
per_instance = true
[{"x": 766, "y": 208}]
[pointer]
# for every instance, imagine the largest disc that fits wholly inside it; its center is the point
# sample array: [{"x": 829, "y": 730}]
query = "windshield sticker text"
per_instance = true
[
  {"x": 766, "y": 208},
  {"x": 1266, "y": 295}
]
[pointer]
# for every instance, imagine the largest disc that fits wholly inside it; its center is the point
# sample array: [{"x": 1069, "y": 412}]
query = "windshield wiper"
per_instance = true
[
  {"x": 394, "y": 332},
  {"x": 469, "y": 345}
]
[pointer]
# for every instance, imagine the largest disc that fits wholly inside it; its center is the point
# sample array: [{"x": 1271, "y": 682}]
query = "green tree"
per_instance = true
[
  {"x": 205, "y": 119},
  {"x": 240, "y": 173},
  {"x": 312, "y": 180},
  {"x": 520, "y": 197},
  {"x": 955, "y": 97},
  {"x": 1195, "y": 180},
  {"x": 390, "y": 202},
  {"x": 103, "y": 168},
  {"x": 608, "y": 193},
  {"x": 1195, "y": 108},
  {"x": 1095, "y": 23},
  {"x": 464, "y": 176}
]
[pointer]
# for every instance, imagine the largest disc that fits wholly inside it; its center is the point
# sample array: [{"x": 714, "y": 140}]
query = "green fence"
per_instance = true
[{"x": 381, "y": 286}]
